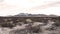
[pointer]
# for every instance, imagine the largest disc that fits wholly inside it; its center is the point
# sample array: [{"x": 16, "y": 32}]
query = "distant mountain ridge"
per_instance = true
[{"x": 34, "y": 15}]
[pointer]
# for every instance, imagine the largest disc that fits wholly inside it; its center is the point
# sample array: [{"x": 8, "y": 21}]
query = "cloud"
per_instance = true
[
  {"x": 54, "y": 4},
  {"x": 1, "y": 0},
  {"x": 5, "y": 6}
]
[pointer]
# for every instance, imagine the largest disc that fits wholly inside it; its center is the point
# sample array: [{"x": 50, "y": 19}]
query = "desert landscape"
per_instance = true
[
  {"x": 29, "y": 16},
  {"x": 19, "y": 24}
]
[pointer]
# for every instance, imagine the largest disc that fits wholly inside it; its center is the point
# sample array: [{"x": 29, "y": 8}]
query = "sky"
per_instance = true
[{"x": 13, "y": 7}]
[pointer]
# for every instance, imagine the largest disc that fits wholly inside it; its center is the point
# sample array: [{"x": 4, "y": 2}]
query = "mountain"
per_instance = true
[{"x": 34, "y": 15}]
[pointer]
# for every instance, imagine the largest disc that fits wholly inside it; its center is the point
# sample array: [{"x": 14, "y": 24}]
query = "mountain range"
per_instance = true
[{"x": 34, "y": 15}]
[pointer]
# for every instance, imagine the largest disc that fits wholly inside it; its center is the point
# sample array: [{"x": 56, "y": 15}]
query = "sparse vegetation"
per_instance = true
[{"x": 28, "y": 26}]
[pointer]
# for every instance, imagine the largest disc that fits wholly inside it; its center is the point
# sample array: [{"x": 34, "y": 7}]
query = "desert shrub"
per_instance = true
[
  {"x": 18, "y": 31},
  {"x": 51, "y": 28},
  {"x": 7, "y": 25},
  {"x": 57, "y": 24}
]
